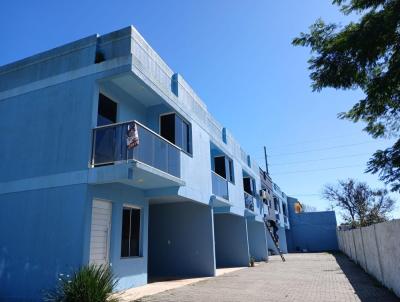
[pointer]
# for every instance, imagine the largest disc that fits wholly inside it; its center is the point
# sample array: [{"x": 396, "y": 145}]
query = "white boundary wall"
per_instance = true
[{"x": 376, "y": 249}]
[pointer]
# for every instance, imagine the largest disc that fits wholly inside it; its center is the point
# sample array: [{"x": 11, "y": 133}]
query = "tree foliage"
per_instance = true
[
  {"x": 360, "y": 205},
  {"x": 366, "y": 55}
]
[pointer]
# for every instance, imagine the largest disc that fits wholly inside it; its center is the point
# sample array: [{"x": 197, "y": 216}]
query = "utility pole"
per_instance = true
[{"x": 266, "y": 160}]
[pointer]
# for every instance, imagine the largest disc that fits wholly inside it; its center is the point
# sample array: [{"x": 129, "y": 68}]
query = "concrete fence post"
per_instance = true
[
  {"x": 342, "y": 240},
  {"x": 345, "y": 243},
  {"x": 363, "y": 250},
  {"x": 348, "y": 244},
  {"x": 379, "y": 256},
  {"x": 355, "y": 247}
]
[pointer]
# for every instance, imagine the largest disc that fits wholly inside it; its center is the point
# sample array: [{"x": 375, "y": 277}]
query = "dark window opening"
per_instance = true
[
  {"x": 223, "y": 166},
  {"x": 168, "y": 127},
  {"x": 177, "y": 131},
  {"x": 183, "y": 135},
  {"x": 247, "y": 185},
  {"x": 107, "y": 111},
  {"x": 130, "y": 240},
  {"x": 276, "y": 204},
  {"x": 284, "y": 209},
  {"x": 219, "y": 166},
  {"x": 231, "y": 175}
]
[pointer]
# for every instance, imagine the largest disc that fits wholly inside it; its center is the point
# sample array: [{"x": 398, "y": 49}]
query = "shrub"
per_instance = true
[{"x": 91, "y": 283}]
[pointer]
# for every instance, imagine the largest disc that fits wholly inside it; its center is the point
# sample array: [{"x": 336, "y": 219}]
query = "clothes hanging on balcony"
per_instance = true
[{"x": 132, "y": 138}]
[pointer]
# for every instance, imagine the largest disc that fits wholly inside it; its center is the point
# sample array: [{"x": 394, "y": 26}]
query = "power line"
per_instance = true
[
  {"x": 312, "y": 140},
  {"x": 315, "y": 170},
  {"x": 323, "y": 149},
  {"x": 318, "y": 159}
]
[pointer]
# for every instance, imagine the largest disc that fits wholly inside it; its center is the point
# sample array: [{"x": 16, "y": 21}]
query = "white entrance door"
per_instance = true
[{"x": 100, "y": 232}]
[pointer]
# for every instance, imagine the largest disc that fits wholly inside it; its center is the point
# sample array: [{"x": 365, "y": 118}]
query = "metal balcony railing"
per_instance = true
[
  {"x": 110, "y": 146},
  {"x": 219, "y": 186},
  {"x": 249, "y": 201}
]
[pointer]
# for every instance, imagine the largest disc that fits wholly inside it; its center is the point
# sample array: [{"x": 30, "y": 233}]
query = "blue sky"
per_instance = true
[{"x": 238, "y": 57}]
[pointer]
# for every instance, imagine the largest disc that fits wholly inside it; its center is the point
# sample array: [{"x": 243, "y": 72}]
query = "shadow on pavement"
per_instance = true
[{"x": 366, "y": 287}]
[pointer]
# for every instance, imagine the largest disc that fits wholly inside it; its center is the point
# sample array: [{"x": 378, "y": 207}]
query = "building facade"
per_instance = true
[
  {"x": 110, "y": 157},
  {"x": 310, "y": 231}
]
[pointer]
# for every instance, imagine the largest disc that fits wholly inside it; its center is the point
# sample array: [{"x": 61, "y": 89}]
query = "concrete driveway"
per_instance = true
[{"x": 303, "y": 277}]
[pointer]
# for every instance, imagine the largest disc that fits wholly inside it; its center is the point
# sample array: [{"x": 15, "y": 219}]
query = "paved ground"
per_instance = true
[
  {"x": 134, "y": 294},
  {"x": 303, "y": 277}
]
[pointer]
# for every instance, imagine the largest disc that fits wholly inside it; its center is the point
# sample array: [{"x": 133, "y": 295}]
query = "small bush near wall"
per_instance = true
[{"x": 90, "y": 284}]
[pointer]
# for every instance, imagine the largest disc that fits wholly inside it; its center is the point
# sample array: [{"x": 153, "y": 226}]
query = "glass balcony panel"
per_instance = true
[
  {"x": 248, "y": 201},
  {"x": 120, "y": 152},
  {"x": 174, "y": 163},
  {"x": 219, "y": 186},
  {"x": 145, "y": 150},
  {"x": 104, "y": 140},
  {"x": 110, "y": 147},
  {"x": 160, "y": 157}
]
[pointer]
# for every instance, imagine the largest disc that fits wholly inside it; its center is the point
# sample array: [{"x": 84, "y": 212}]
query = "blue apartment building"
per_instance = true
[{"x": 109, "y": 157}]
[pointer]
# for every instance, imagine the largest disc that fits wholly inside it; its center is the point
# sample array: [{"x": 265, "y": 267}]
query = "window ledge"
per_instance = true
[{"x": 133, "y": 257}]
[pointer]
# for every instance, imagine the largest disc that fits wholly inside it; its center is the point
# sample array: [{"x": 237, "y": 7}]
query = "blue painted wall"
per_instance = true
[
  {"x": 282, "y": 240},
  {"x": 283, "y": 245},
  {"x": 48, "y": 131},
  {"x": 130, "y": 271},
  {"x": 50, "y": 234},
  {"x": 181, "y": 240},
  {"x": 231, "y": 243},
  {"x": 257, "y": 240},
  {"x": 41, "y": 236},
  {"x": 311, "y": 231}
]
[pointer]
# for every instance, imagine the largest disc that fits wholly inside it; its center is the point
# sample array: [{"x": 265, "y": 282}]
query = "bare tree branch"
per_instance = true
[{"x": 360, "y": 205}]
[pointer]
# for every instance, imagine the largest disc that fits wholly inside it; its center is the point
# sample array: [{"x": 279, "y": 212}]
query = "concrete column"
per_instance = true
[
  {"x": 389, "y": 252},
  {"x": 371, "y": 252},
  {"x": 355, "y": 258},
  {"x": 379, "y": 256},
  {"x": 363, "y": 249}
]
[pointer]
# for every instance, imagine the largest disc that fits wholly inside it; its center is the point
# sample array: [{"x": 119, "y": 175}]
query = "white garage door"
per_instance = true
[{"x": 100, "y": 232}]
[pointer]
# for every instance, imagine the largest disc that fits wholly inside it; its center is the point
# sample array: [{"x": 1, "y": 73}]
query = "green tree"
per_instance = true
[
  {"x": 364, "y": 54},
  {"x": 360, "y": 205}
]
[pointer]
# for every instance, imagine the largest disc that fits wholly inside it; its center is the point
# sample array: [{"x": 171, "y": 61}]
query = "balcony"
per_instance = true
[
  {"x": 152, "y": 163},
  {"x": 219, "y": 186},
  {"x": 249, "y": 201}
]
